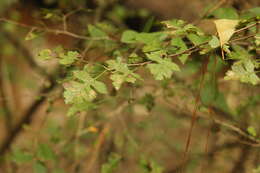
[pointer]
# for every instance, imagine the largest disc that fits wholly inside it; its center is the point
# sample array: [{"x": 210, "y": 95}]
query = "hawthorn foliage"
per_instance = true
[{"x": 169, "y": 55}]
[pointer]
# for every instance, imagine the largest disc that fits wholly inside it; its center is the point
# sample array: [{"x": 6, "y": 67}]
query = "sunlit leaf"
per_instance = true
[
  {"x": 214, "y": 42},
  {"x": 69, "y": 58},
  {"x": 45, "y": 54},
  {"x": 252, "y": 131}
]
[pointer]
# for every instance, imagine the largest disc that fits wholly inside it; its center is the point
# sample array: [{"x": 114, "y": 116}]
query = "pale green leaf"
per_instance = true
[
  {"x": 214, "y": 42},
  {"x": 164, "y": 69},
  {"x": 244, "y": 71},
  {"x": 100, "y": 87},
  {"x": 129, "y": 36},
  {"x": 45, "y": 54},
  {"x": 69, "y": 58},
  {"x": 251, "y": 130},
  {"x": 117, "y": 79}
]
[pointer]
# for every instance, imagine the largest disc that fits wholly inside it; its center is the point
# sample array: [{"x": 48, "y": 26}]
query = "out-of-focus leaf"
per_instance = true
[
  {"x": 209, "y": 93},
  {"x": 45, "y": 54},
  {"x": 39, "y": 167},
  {"x": 244, "y": 71},
  {"x": 251, "y": 130},
  {"x": 112, "y": 164},
  {"x": 21, "y": 156},
  {"x": 45, "y": 152},
  {"x": 31, "y": 35},
  {"x": 96, "y": 32},
  {"x": 69, "y": 58},
  {"x": 225, "y": 13},
  {"x": 129, "y": 36}
]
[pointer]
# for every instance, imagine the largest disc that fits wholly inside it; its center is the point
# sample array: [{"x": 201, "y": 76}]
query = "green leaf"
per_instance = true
[
  {"x": 45, "y": 152},
  {"x": 209, "y": 93},
  {"x": 58, "y": 170},
  {"x": 221, "y": 103},
  {"x": 112, "y": 164},
  {"x": 76, "y": 92},
  {"x": 193, "y": 29},
  {"x": 180, "y": 44},
  {"x": 100, "y": 87},
  {"x": 251, "y": 130},
  {"x": 39, "y": 167},
  {"x": 117, "y": 79},
  {"x": 214, "y": 42},
  {"x": 129, "y": 36},
  {"x": 148, "y": 38},
  {"x": 45, "y": 54},
  {"x": 96, "y": 32},
  {"x": 122, "y": 73},
  {"x": 164, "y": 67},
  {"x": 83, "y": 75},
  {"x": 198, "y": 39},
  {"x": 255, "y": 11},
  {"x": 69, "y": 58},
  {"x": 225, "y": 13},
  {"x": 239, "y": 53},
  {"x": 148, "y": 25},
  {"x": 19, "y": 156},
  {"x": 243, "y": 70},
  {"x": 156, "y": 168},
  {"x": 48, "y": 16},
  {"x": 80, "y": 107}
]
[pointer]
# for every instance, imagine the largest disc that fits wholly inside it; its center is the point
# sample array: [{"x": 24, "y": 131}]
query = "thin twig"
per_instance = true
[
  {"x": 54, "y": 31},
  {"x": 247, "y": 27},
  {"x": 216, "y": 6},
  {"x": 242, "y": 38}
]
